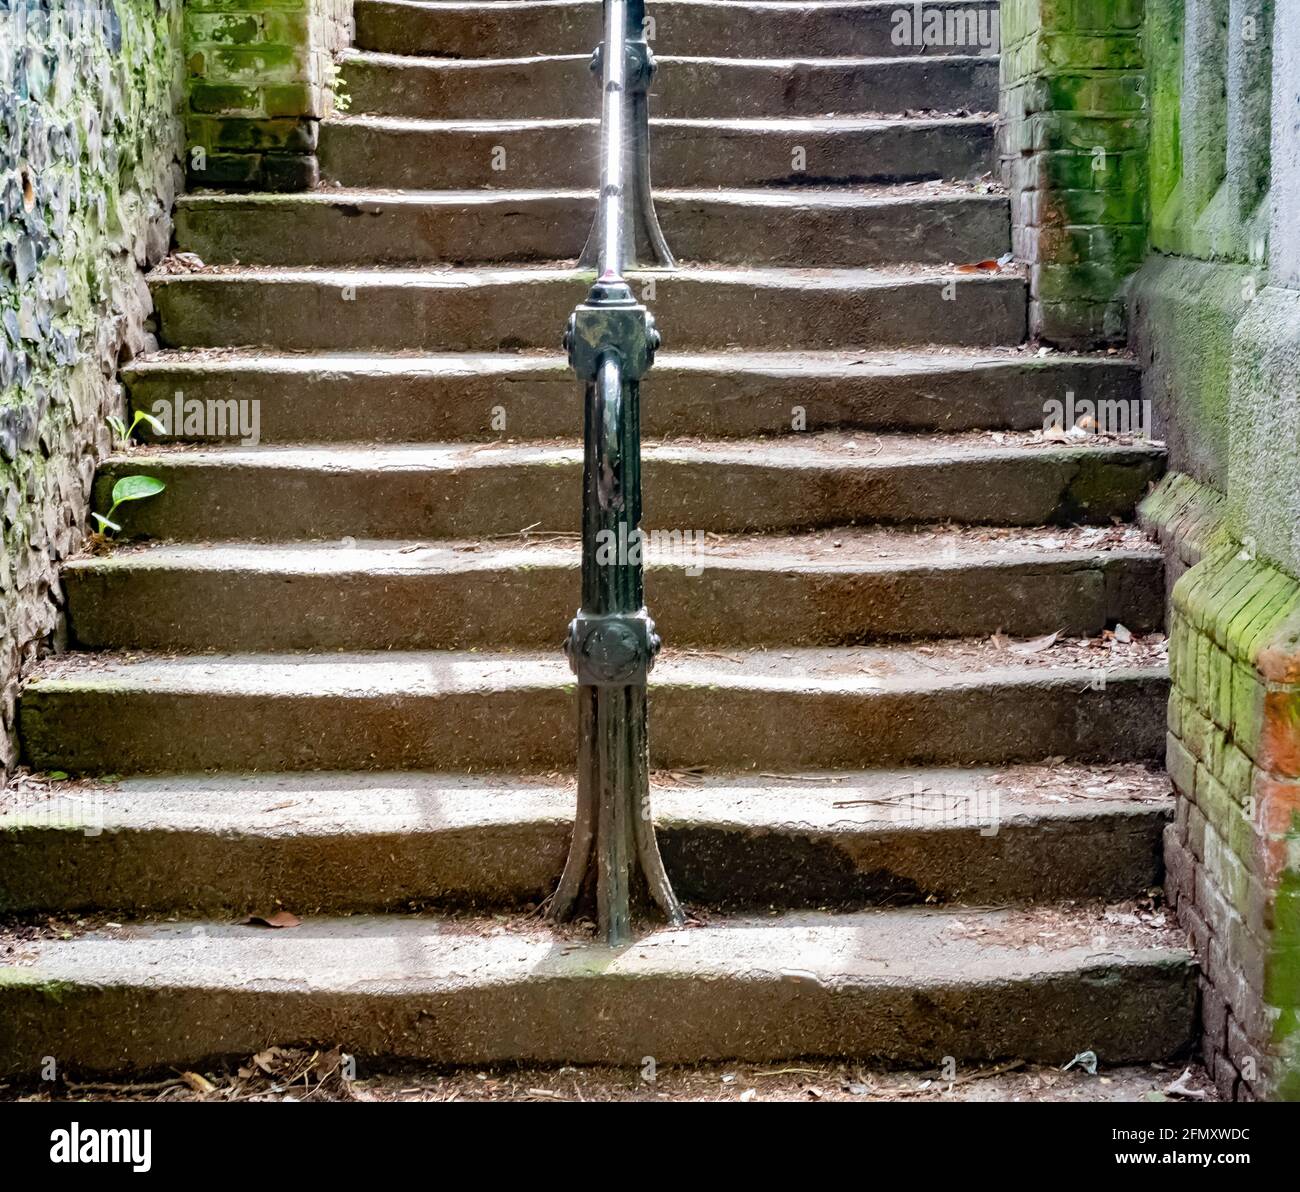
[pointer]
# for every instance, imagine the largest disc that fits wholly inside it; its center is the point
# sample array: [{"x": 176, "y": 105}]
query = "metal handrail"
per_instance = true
[
  {"x": 611, "y": 341},
  {"x": 627, "y": 72},
  {"x": 613, "y": 139}
]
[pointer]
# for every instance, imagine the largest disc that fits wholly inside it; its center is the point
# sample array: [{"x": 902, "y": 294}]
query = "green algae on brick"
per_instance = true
[
  {"x": 1234, "y": 754},
  {"x": 259, "y": 80},
  {"x": 1284, "y": 983},
  {"x": 1075, "y": 131}
]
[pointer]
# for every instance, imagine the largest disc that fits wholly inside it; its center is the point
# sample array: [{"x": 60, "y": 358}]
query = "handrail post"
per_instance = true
[{"x": 611, "y": 339}]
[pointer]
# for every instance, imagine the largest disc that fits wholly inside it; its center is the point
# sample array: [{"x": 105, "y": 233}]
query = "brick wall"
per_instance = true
[
  {"x": 1073, "y": 152},
  {"x": 1233, "y": 852},
  {"x": 259, "y": 79}
]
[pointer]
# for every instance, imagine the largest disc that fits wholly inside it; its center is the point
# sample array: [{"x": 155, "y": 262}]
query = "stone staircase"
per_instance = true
[{"x": 327, "y": 675}]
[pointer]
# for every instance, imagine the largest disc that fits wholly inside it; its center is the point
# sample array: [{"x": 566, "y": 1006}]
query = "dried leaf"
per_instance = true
[
  {"x": 1180, "y": 1087},
  {"x": 1087, "y": 1060},
  {"x": 1037, "y": 645},
  {"x": 200, "y": 1084},
  {"x": 279, "y": 919},
  {"x": 266, "y": 1060}
]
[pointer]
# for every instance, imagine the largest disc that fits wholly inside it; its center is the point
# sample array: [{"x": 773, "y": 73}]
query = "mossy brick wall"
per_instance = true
[
  {"x": 1073, "y": 153},
  {"x": 259, "y": 79},
  {"x": 1233, "y": 851},
  {"x": 90, "y": 142},
  {"x": 1217, "y": 322}
]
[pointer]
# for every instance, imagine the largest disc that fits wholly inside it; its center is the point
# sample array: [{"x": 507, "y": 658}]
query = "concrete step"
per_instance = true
[
  {"x": 971, "y": 702},
  {"x": 816, "y": 29},
  {"x": 522, "y": 308},
  {"x": 836, "y": 588},
  {"x": 355, "y": 842},
  {"x": 466, "y": 491},
  {"x": 714, "y": 87},
  {"x": 924, "y": 224},
  {"x": 903, "y": 987},
  {"x": 406, "y": 398},
  {"x": 395, "y": 153}
]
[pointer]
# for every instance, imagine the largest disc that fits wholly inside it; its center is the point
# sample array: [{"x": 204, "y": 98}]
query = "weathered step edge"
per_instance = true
[
  {"x": 488, "y": 310},
  {"x": 278, "y": 494},
  {"x": 406, "y": 598},
  {"x": 470, "y": 30},
  {"x": 363, "y": 712},
  {"x": 686, "y": 86},
  {"x": 343, "y": 397},
  {"x": 898, "y": 987},
  {"x": 364, "y": 228},
  {"x": 395, "y": 153},
  {"x": 348, "y": 843}
]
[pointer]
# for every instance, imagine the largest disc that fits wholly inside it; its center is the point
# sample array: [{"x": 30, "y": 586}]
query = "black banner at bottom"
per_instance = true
[{"x": 91, "y": 1139}]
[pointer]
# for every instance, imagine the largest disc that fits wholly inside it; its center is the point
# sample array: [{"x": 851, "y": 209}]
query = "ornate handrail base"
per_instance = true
[
  {"x": 614, "y": 867},
  {"x": 611, "y": 321},
  {"x": 643, "y": 237}
]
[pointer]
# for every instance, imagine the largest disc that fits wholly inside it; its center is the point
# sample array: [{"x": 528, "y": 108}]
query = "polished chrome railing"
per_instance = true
[{"x": 611, "y": 339}]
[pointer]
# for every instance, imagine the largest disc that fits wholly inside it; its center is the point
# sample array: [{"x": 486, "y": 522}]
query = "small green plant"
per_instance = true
[
  {"x": 123, "y": 432},
  {"x": 129, "y": 488},
  {"x": 338, "y": 89}
]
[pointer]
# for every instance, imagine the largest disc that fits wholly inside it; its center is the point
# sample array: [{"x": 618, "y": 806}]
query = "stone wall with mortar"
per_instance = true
[
  {"x": 1211, "y": 87},
  {"x": 90, "y": 147},
  {"x": 1263, "y": 486},
  {"x": 1264, "y": 395},
  {"x": 1216, "y": 308},
  {"x": 260, "y": 77},
  {"x": 1072, "y": 144}
]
